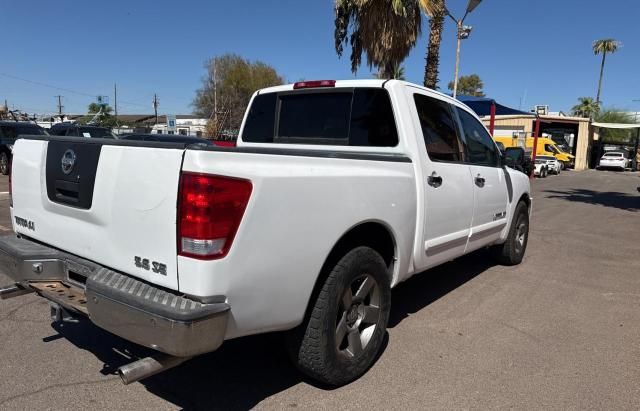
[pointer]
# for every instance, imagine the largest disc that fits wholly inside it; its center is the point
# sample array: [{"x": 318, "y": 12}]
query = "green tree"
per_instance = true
[
  {"x": 614, "y": 115},
  {"x": 105, "y": 119},
  {"x": 586, "y": 107},
  {"x": 227, "y": 88},
  {"x": 384, "y": 30},
  {"x": 436, "y": 11},
  {"x": 603, "y": 47},
  {"x": 470, "y": 85}
]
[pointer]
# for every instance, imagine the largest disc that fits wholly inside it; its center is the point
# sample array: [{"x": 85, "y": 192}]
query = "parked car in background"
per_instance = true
[
  {"x": 80, "y": 130},
  {"x": 614, "y": 159},
  {"x": 553, "y": 165},
  {"x": 541, "y": 168},
  {"x": 345, "y": 190},
  {"x": 166, "y": 138},
  {"x": 9, "y": 131}
]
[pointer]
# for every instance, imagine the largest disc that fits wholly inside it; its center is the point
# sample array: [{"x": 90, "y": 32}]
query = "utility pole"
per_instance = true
[
  {"x": 60, "y": 106},
  {"x": 155, "y": 106},
  {"x": 115, "y": 101}
]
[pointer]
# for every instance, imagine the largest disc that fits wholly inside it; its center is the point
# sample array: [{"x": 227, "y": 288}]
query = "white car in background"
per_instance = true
[
  {"x": 553, "y": 165},
  {"x": 613, "y": 159},
  {"x": 541, "y": 169}
]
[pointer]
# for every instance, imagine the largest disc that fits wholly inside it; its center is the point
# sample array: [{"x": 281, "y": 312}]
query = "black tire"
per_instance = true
[
  {"x": 562, "y": 166},
  {"x": 5, "y": 166},
  {"x": 313, "y": 346},
  {"x": 511, "y": 252}
]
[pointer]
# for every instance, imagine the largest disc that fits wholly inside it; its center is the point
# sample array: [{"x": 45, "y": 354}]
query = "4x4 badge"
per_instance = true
[{"x": 68, "y": 161}]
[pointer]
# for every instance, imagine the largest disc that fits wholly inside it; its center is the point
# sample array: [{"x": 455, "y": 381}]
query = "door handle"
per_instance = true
[
  {"x": 480, "y": 180},
  {"x": 434, "y": 180}
]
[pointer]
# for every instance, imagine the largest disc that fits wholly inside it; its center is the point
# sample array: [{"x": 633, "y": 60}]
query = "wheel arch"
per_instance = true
[{"x": 375, "y": 234}]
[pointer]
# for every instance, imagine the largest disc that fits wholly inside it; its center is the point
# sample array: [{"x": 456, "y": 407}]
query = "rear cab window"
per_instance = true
[{"x": 340, "y": 116}]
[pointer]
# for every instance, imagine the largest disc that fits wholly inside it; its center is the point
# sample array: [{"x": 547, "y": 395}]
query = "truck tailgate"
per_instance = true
[{"x": 106, "y": 201}]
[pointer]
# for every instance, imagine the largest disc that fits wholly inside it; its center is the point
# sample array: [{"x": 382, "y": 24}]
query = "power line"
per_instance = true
[{"x": 38, "y": 83}]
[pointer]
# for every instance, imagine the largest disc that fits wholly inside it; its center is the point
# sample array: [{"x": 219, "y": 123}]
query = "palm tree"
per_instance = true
[
  {"x": 586, "y": 107},
  {"x": 436, "y": 11},
  {"x": 398, "y": 73},
  {"x": 603, "y": 47},
  {"x": 384, "y": 30}
]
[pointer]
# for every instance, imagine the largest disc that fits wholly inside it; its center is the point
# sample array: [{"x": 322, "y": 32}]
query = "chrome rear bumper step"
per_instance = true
[{"x": 143, "y": 313}]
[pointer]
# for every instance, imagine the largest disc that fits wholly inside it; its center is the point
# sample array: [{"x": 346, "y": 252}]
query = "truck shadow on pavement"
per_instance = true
[
  {"x": 425, "y": 288},
  {"x": 245, "y": 371},
  {"x": 623, "y": 201}
]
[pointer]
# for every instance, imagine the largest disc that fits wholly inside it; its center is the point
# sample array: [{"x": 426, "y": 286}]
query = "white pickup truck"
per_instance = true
[{"x": 336, "y": 192}]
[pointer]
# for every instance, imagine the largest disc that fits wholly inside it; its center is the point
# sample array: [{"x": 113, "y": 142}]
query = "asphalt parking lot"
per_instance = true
[{"x": 562, "y": 330}]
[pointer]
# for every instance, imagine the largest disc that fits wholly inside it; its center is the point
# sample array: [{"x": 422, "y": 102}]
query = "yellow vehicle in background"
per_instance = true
[{"x": 546, "y": 147}]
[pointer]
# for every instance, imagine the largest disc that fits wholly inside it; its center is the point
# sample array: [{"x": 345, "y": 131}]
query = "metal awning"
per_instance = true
[
  {"x": 482, "y": 107},
  {"x": 616, "y": 125}
]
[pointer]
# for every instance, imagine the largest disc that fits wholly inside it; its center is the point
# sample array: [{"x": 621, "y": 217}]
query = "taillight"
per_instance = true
[
  {"x": 210, "y": 209},
  {"x": 314, "y": 84}
]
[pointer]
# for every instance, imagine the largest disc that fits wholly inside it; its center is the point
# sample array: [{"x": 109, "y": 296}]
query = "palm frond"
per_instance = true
[{"x": 606, "y": 46}]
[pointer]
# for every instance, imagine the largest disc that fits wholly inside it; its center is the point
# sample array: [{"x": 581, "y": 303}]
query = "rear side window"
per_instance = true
[
  {"x": 481, "y": 149},
  {"x": 356, "y": 117},
  {"x": 438, "y": 129}
]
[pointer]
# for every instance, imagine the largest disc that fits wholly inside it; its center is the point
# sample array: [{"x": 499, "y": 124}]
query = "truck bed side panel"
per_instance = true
[{"x": 299, "y": 209}]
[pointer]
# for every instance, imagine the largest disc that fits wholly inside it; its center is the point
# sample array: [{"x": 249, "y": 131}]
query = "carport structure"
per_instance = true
[
  {"x": 622, "y": 126},
  {"x": 488, "y": 108},
  {"x": 503, "y": 121}
]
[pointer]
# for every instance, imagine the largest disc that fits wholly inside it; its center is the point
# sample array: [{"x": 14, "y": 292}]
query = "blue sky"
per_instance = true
[{"x": 527, "y": 52}]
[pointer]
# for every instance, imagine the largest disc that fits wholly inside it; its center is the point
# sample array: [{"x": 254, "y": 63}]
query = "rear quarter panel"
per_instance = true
[{"x": 299, "y": 209}]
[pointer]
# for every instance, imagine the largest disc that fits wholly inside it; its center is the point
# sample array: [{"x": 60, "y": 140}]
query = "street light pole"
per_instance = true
[
  {"x": 455, "y": 79},
  {"x": 463, "y": 32}
]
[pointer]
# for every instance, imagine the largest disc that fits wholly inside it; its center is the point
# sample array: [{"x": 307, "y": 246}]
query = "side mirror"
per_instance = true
[{"x": 509, "y": 162}]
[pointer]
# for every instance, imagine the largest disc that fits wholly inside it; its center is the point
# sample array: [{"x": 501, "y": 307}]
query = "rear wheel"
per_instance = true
[
  {"x": 4, "y": 163},
  {"x": 511, "y": 252},
  {"x": 344, "y": 332}
]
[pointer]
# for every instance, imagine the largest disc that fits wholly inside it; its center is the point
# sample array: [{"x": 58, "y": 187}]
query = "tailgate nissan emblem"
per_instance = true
[{"x": 68, "y": 161}]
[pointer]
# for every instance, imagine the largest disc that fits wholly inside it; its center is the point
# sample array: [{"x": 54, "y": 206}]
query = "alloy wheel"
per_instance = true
[{"x": 358, "y": 316}]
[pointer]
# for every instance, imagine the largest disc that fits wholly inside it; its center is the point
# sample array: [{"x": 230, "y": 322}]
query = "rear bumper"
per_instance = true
[
  {"x": 132, "y": 309},
  {"x": 612, "y": 164}
]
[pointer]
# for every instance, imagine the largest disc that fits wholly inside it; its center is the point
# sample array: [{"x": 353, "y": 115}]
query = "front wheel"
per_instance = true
[
  {"x": 4, "y": 163},
  {"x": 511, "y": 252},
  {"x": 344, "y": 332}
]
